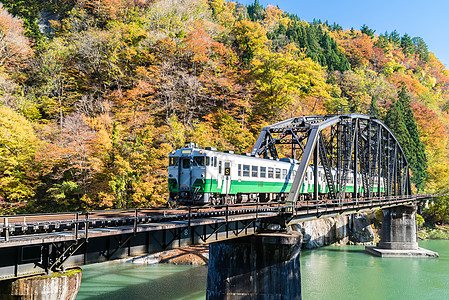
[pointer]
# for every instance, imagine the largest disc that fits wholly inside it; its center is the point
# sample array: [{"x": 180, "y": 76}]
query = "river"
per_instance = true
[{"x": 345, "y": 272}]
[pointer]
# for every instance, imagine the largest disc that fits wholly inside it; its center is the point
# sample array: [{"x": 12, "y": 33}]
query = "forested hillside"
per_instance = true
[{"x": 95, "y": 94}]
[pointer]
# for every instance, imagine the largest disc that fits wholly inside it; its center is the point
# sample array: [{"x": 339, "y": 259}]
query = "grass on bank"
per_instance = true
[{"x": 437, "y": 232}]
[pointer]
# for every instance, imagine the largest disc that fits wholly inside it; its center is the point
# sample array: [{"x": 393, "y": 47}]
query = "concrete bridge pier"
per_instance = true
[
  {"x": 262, "y": 266},
  {"x": 399, "y": 234}
]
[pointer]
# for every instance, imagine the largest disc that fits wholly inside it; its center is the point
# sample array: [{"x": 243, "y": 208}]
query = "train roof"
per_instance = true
[{"x": 192, "y": 148}]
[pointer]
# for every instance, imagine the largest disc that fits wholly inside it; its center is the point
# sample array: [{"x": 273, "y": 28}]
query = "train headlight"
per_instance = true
[{"x": 203, "y": 175}]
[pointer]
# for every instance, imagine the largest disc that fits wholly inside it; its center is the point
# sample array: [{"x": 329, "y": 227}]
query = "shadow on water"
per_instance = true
[{"x": 187, "y": 284}]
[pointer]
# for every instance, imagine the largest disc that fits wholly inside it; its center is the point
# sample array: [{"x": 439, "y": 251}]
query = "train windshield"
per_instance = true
[
  {"x": 199, "y": 160},
  {"x": 186, "y": 163},
  {"x": 173, "y": 161}
]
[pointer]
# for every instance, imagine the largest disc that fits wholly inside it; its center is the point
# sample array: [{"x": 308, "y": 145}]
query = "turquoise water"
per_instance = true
[
  {"x": 327, "y": 273},
  {"x": 348, "y": 273},
  {"x": 123, "y": 281}
]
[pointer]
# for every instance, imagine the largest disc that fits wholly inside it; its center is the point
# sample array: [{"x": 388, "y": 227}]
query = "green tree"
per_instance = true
[
  {"x": 255, "y": 11},
  {"x": 395, "y": 38},
  {"x": 407, "y": 45},
  {"x": 374, "y": 109},
  {"x": 438, "y": 211},
  {"x": 401, "y": 121},
  {"x": 421, "y": 49},
  {"x": 368, "y": 31}
]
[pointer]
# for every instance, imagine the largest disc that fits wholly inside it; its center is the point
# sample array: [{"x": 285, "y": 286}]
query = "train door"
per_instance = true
[
  {"x": 184, "y": 174},
  {"x": 226, "y": 177},
  {"x": 220, "y": 175}
]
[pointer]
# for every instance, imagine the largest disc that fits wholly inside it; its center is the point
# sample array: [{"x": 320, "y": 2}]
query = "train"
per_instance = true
[{"x": 199, "y": 176}]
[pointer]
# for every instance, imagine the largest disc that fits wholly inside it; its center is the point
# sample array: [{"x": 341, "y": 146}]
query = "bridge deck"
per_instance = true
[{"x": 46, "y": 242}]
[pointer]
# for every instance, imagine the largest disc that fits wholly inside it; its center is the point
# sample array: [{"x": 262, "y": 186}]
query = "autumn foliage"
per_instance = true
[{"x": 94, "y": 98}]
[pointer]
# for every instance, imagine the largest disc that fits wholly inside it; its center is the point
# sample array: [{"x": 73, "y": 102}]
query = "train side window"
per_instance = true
[
  {"x": 245, "y": 170},
  {"x": 240, "y": 170},
  {"x": 270, "y": 173},
  {"x": 284, "y": 173},
  {"x": 263, "y": 172},
  {"x": 207, "y": 160},
  {"x": 219, "y": 167},
  {"x": 215, "y": 162},
  {"x": 254, "y": 171},
  {"x": 278, "y": 173},
  {"x": 305, "y": 178}
]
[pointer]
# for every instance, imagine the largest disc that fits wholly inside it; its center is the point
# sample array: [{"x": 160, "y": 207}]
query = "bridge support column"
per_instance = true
[
  {"x": 399, "y": 234},
  {"x": 62, "y": 286},
  {"x": 399, "y": 228},
  {"x": 263, "y": 266}
]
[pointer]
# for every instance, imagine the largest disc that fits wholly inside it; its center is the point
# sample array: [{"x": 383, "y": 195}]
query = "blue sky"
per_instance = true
[{"x": 428, "y": 19}]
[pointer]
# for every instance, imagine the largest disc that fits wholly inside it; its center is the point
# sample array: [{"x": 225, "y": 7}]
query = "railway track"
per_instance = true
[{"x": 15, "y": 225}]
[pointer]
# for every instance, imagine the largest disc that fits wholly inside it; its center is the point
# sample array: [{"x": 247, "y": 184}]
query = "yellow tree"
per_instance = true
[
  {"x": 250, "y": 38},
  {"x": 223, "y": 12},
  {"x": 286, "y": 82},
  {"x": 18, "y": 146}
]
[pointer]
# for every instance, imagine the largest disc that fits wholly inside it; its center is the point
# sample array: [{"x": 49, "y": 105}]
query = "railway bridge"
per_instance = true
[{"x": 252, "y": 239}]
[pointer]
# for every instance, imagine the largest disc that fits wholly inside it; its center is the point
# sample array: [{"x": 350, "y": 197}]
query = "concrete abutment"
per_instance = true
[
  {"x": 61, "y": 286},
  {"x": 262, "y": 266}
]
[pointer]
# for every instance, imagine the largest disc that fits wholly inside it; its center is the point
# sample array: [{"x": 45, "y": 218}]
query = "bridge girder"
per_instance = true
[{"x": 342, "y": 144}]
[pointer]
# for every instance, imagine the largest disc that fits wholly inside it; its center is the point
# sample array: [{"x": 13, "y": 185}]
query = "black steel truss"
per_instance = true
[{"x": 344, "y": 144}]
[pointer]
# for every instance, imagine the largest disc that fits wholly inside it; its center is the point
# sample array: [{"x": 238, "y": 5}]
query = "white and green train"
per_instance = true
[{"x": 205, "y": 176}]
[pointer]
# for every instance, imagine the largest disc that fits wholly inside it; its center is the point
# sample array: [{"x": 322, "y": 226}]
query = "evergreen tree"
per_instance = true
[
  {"x": 383, "y": 42},
  {"x": 395, "y": 38},
  {"x": 419, "y": 159},
  {"x": 368, "y": 31},
  {"x": 407, "y": 45},
  {"x": 401, "y": 121},
  {"x": 421, "y": 48},
  {"x": 319, "y": 46},
  {"x": 374, "y": 108},
  {"x": 255, "y": 11}
]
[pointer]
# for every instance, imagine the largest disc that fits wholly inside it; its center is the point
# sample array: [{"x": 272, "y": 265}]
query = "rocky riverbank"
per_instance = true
[
  {"x": 340, "y": 230},
  {"x": 196, "y": 255}
]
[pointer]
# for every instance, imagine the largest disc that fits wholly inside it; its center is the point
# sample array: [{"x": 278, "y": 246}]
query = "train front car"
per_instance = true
[
  {"x": 187, "y": 172},
  {"x": 201, "y": 176}
]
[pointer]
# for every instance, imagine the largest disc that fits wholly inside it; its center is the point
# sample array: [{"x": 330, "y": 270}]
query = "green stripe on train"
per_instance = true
[{"x": 211, "y": 186}]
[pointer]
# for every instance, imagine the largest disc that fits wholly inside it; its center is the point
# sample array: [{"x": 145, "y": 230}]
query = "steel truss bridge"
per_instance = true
[
  {"x": 353, "y": 143},
  {"x": 32, "y": 244}
]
